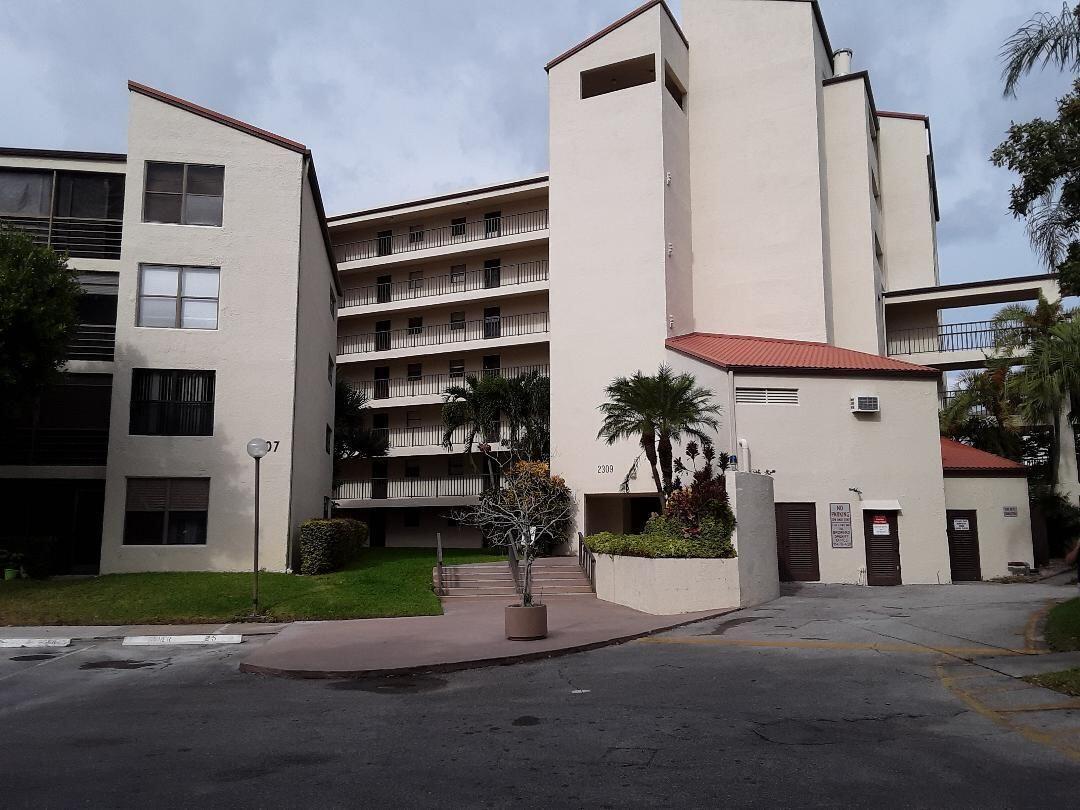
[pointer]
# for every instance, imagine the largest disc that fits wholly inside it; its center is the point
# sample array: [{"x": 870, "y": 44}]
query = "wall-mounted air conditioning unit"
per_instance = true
[{"x": 865, "y": 403}]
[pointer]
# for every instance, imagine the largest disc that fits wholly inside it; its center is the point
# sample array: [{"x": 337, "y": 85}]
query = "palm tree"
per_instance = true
[
  {"x": 983, "y": 414},
  {"x": 657, "y": 410},
  {"x": 525, "y": 406},
  {"x": 1045, "y": 38},
  {"x": 1016, "y": 326},
  {"x": 1048, "y": 383},
  {"x": 472, "y": 408},
  {"x": 353, "y": 438}
]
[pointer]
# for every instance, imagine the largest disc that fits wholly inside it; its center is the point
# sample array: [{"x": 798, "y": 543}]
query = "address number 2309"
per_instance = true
[{"x": 605, "y": 469}]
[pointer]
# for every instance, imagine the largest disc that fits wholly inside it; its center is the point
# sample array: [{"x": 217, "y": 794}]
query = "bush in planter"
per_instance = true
[
  {"x": 330, "y": 545},
  {"x": 34, "y": 555}
]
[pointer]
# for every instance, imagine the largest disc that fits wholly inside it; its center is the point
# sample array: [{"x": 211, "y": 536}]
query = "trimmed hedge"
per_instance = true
[
  {"x": 330, "y": 545},
  {"x": 662, "y": 538}
]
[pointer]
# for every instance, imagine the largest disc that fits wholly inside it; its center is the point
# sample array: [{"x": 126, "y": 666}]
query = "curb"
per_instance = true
[{"x": 480, "y": 663}]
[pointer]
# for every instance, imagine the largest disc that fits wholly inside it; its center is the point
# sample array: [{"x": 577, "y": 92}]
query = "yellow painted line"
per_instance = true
[
  {"x": 1043, "y": 707},
  {"x": 1001, "y": 718},
  {"x": 804, "y": 644}
]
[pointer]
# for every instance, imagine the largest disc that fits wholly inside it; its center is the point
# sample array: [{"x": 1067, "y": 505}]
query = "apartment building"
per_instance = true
[
  {"x": 435, "y": 291},
  {"x": 724, "y": 196},
  {"x": 209, "y": 319}
]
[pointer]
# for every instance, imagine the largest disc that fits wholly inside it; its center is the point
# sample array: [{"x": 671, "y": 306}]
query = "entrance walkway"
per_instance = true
[{"x": 469, "y": 633}]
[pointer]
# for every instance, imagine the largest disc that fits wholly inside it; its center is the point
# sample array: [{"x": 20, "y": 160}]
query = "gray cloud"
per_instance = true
[{"x": 415, "y": 97}]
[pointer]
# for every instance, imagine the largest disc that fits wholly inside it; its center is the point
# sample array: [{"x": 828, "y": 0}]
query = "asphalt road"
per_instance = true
[{"x": 830, "y": 696}]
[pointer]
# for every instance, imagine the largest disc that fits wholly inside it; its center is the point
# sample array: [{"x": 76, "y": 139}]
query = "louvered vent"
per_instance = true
[{"x": 767, "y": 396}]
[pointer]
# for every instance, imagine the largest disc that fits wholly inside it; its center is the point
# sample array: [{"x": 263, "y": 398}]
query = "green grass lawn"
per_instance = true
[
  {"x": 1063, "y": 626},
  {"x": 381, "y": 582},
  {"x": 1067, "y": 681}
]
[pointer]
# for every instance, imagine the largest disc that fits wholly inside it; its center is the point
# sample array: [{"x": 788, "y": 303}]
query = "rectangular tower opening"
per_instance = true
[{"x": 618, "y": 76}]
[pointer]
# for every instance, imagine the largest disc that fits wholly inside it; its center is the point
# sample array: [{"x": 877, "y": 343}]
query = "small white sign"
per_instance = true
[
  {"x": 881, "y": 526},
  {"x": 1010, "y": 511},
  {"x": 34, "y": 642},
  {"x": 160, "y": 641},
  {"x": 961, "y": 524}
]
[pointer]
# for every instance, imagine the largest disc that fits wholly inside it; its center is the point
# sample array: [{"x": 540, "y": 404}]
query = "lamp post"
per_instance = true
[{"x": 256, "y": 448}]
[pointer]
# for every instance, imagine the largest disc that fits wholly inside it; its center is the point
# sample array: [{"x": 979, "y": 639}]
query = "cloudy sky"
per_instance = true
[{"x": 402, "y": 98}]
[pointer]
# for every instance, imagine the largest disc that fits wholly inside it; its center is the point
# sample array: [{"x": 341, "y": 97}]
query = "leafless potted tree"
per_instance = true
[{"x": 526, "y": 512}]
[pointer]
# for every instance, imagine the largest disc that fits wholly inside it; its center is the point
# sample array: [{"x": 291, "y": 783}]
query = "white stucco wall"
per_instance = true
[
  {"x": 665, "y": 587},
  {"x": 609, "y": 206},
  {"x": 1001, "y": 539},
  {"x": 253, "y": 350},
  {"x": 907, "y": 205},
  {"x": 755, "y": 151},
  {"x": 751, "y": 498}
]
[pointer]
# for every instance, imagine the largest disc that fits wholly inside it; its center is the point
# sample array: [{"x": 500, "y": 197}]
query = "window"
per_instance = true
[
  {"x": 416, "y": 234},
  {"x": 329, "y": 439},
  {"x": 385, "y": 243},
  {"x": 410, "y": 518},
  {"x": 457, "y": 227},
  {"x": 171, "y": 402},
  {"x": 492, "y": 273},
  {"x": 457, "y": 274},
  {"x": 767, "y": 396},
  {"x": 457, "y": 320},
  {"x": 184, "y": 193},
  {"x": 89, "y": 195},
  {"x": 492, "y": 322},
  {"x": 492, "y": 224},
  {"x": 381, "y": 384},
  {"x": 382, "y": 336},
  {"x": 166, "y": 511},
  {"x": 383, "y": 289},
  {"x": 414, "y": 371},
  {"x": 457, "y": 367},
  {"x": 178, "y": 297},
  {"x": 492, "y": 365},
  {"x": 619, "y": 76},
  {"x": 674, "y": 86},
  {"x": 25, "y": 194},
  {"x": 416, "y": 282},
  {"x": 416, "y": 325},
  {"x": 330, "y": 369},
  {"x": 412, "y": 418}
]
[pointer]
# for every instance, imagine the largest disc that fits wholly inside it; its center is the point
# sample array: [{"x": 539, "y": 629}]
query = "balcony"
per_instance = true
[
  {"x": 93, "y": 341},
  {"x": 391, "y": 489},
  {"x": 950, "y": 346},
  {"x": 428, "y": 439},
  {"x": 79, "y": 237},
  {"x": 454, "y": 234},
  {"x": 436, "y": 384},
  {"x": 446, "y": 334},
  {"x": 490, "y": 278},
  {"x": 55, "y": 447}
]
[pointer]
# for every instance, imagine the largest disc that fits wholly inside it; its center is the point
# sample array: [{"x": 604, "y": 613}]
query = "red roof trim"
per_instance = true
[
  {"x": 617, "y": 24},
  {"x": 959, "y": 460},
  {"x": 217, "y": 117},
  {"x": 764, "y": 355}
]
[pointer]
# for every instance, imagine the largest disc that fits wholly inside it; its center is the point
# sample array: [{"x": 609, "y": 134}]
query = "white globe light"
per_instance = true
[{"x": 257, "y": 448}]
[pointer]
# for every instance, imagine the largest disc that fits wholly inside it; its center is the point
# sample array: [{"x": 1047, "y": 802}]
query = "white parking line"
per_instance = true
[
  {"x": 8, "y": 643},
  {"x": 161, "y": 641}
]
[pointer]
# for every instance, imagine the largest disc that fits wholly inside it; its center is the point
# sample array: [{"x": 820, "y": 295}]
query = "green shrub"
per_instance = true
[
  {"x": 657, "y": 545},
  {"x": 330, "y": 545},
  {"x": 34, "y": 555}
]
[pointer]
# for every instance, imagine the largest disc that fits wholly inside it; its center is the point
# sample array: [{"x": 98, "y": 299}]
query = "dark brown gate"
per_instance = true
[
  {"x": 882, "y": 548},
  {"x": 963, "y": 531},
  {"x": 797, "y": 542}
]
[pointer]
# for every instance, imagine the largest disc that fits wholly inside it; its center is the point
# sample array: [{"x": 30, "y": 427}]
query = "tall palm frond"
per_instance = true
[
  {"x": 1044, "y": 39},
  {"x": 353, "y": 436}
]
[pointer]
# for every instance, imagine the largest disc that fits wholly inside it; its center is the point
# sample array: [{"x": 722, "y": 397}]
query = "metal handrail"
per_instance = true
[
  {"x": 587, "y": 561},
  {"x": 428, "y": 384},
  {"x": 515, "y": 567},
  {"x": 952, "y": 337},
  {"x": 93, "y": 341},
  {"x": 395, "y": 488},
  {"x": 529, "y": 323},
  {"x": 440, "y": 588},
  {"x": 456, "y": 233},
  {"x": 432, "y": 436},
  {"x": 506, "y": 275},
  {"x": 80, "y": 237}
]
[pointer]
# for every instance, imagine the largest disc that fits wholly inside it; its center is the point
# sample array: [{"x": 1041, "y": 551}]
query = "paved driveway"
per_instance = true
[{"x": 830, "y": 696}]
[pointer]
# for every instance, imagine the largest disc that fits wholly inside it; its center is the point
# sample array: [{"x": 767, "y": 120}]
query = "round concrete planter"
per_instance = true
[{"x": 526, "y": 623}]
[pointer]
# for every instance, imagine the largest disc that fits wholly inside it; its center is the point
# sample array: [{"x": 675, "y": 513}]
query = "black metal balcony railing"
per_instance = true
[
  {"x": 948, "y": 397},
  {"x": 429, "y": 384},
  {"x": 93, "y": 341},
  {"x": 432, "y": 436},
  {"x": 950, "y": 337},
  {"x": 457, "y": 233},
  {"x": 439, "y": 334},
  {"x": 55, "y": 446},
  {"x": 486, "y": 279},
  {"x": 78, "y": 237},
  {"x": 392, "y": 488}
]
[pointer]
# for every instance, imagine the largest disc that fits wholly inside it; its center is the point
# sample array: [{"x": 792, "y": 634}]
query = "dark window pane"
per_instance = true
[
  {"x": 200, "y": 210},
  {"x": 206, "y": 180},
  {"x": 186, "y": 528},
  {"x": 90, "y": 196},
  {"x": 25, "y": 194},
  {"x": 143, "y": 528},
  {"x": 165, "y": 177},
  {"x": 161, "y": 208}
]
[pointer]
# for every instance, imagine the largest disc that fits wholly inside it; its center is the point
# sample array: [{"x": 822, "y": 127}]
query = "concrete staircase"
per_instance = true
[{"x": 552, "y": 576}]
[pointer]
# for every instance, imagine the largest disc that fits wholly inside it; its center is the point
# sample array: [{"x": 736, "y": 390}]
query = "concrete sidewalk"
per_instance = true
[{"x": 469, "y": 633}]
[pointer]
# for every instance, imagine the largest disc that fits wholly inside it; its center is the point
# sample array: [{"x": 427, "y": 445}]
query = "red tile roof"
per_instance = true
[
  {"x": 774, "y": 354},
  {"x": 959, "y": 459}
]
